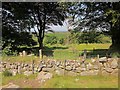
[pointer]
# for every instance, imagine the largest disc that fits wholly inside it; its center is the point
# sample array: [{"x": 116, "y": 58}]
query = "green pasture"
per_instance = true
[
  {"x": 63, "y": 81},
  {"x": 60, "y": 52}
]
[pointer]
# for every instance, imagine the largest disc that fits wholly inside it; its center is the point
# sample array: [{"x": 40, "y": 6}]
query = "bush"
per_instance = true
[
  {"x": 8, "y": 51},
  {"x": 7, "y": 73},
  {"x": 50, "y": 40},
  {"x": 61, "y": 41}
]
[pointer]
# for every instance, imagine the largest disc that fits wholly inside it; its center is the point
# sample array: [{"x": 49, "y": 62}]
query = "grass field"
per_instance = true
[
  {"x": 82, "y": 82},
  {"x": 60, "y": 52},
  {"x": 63, "y": 81}
]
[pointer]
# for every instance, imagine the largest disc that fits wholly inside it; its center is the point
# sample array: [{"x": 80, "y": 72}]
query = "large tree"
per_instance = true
[
  {"x": 103, "y": 16},
  {"x": 36, "y": 15}
]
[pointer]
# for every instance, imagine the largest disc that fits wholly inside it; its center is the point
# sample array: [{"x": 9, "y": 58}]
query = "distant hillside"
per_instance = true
[{"x": 58, "y": 34}]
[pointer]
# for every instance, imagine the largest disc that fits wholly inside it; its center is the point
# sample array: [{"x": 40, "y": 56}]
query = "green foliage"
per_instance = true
[
  {"x": 88, "y": 37},
  {"x": 50, "y": 40},
  {"x": 61, "y": 41},
  {"x": 7, "y": 73},
  {"x": 73, "y": 38},
  {"x": 54, "y": 38},
  {"x": 104, "y": 39},
  {"x": 8, "y": 51}
]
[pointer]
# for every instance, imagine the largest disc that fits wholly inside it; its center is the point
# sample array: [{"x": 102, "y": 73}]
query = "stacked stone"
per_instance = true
[{"x": 104, "y": 66}]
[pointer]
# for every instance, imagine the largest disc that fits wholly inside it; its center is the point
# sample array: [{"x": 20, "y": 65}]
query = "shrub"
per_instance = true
[
  {"x": 7, "y": 73},
  {"x": 8, "y": 51},
  {"x": 61, "y": 41},
  {"x": 50, "y": 40}
]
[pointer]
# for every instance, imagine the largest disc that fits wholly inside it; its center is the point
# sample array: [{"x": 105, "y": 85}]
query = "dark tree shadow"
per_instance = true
[
  {"x": 47, "y": 51},
  {"x": 95, "y": 52}
]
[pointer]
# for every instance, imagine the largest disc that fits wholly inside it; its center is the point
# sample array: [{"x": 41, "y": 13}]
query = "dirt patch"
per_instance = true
[{"x": 27, "y": 83}]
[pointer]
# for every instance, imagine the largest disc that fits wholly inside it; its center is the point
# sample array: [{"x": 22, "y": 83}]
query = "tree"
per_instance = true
[
  {"x": 36, "y": 14},
  {"x": 14, "y": 33},
  {"x": 102, "y": 16}
]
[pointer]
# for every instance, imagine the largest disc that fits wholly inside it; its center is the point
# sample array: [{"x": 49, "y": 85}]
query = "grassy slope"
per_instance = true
[
  {"x": 63, "y": 81},
  {"x": 82, "y": 82}
]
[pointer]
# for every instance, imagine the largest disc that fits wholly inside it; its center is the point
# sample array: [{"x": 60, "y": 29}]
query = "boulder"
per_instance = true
[
  {"x": 114, "y": 64},
  {"x": 43, "y": 76}
]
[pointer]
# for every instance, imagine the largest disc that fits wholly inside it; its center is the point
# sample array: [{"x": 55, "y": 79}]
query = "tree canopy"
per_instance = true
[
  {"x": 103, "y": 16},
  {"x": 21, "y": 17}
]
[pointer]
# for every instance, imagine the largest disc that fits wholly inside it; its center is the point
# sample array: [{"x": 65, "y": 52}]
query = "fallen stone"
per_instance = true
[{"x": 43, "y": 76}]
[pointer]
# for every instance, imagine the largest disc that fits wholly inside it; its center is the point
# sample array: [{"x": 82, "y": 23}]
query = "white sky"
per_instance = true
[
  {"x": 59, "y": 28},
  {"x": 56, "y": 28}
]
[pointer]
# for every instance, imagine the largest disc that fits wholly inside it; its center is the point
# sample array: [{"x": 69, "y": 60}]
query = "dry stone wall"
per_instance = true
[{"x": 103, "y": 66}]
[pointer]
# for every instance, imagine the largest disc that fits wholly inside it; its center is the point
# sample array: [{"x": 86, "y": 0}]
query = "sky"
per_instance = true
[
  {"x": 56, "y": 28},
  {"x": 59, "y": 28}
]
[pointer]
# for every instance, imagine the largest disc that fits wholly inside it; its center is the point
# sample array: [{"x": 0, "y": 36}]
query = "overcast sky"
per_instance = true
[{"x": 59, "y": 28}]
